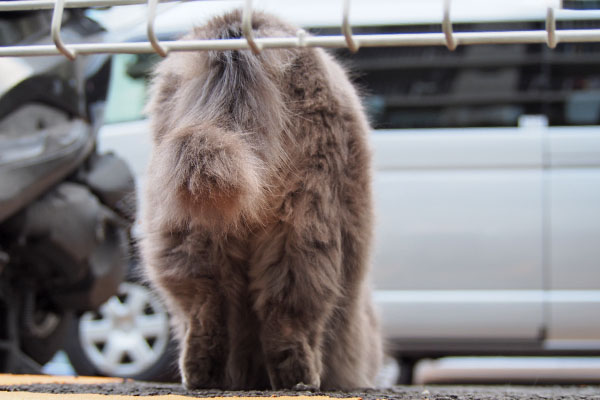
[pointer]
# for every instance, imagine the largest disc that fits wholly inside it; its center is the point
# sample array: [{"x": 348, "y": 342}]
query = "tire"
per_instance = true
[
  {"x": 41, "y": 349},
  {"x": 128, "y": 336},
  {"x": 406, "y": 367}
]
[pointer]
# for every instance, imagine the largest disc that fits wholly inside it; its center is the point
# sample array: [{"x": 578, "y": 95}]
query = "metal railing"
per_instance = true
[{"x": 447, "y": 37}]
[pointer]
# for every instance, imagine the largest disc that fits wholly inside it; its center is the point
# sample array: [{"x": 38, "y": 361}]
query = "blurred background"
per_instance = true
[{"x": 486, "y": 264}]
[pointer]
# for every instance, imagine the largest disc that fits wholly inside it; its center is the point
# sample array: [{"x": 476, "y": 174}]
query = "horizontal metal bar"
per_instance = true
[
  {"x": 403, "y": 39},
  {"x": 29, "y": 5}
]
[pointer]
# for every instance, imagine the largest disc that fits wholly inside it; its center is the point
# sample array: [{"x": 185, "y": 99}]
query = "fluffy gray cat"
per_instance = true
[{"x": 258, "y": 215}]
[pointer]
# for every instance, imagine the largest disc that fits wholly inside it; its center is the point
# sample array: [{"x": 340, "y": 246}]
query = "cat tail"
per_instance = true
[
  {"x": 206, "y": 175},
  {"x": 223, "y": 134}
]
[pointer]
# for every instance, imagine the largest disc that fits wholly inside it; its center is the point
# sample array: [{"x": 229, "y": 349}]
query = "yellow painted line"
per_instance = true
[
  {"x": 14, "y": 379},
  {"x": 17, "y": 379},
  {"x": 90, "y": 396}
]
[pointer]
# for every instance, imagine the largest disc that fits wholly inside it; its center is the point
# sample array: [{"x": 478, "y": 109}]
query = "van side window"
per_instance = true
[
  {"x": 575, "y": 72},
  {"x": 478, "y": 85}
]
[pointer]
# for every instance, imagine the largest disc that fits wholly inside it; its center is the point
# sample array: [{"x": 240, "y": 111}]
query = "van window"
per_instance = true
[{"x": 478, "y": 85}]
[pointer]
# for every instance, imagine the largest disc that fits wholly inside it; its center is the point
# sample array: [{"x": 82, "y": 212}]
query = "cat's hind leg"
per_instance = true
[
  {"x": 204, "y": 352},
  {"x": 184, "y": 268},
  {"x": 294, "y": 282}
]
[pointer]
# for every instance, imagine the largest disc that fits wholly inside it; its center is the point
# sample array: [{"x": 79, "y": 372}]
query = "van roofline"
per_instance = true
[{"x": 181, "y": 17}]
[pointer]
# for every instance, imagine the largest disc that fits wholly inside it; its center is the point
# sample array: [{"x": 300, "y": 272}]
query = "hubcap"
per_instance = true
[{"x": 128, "y": 334}]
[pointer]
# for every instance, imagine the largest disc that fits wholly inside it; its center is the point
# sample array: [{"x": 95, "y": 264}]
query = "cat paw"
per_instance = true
[
  {"x": 202, "y": 373},
  {"x": 294, "y": 378},
  {"x": 303, "y": 387}
]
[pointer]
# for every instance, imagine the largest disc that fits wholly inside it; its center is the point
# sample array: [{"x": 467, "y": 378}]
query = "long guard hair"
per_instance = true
[{"x": 258, "y": 215}]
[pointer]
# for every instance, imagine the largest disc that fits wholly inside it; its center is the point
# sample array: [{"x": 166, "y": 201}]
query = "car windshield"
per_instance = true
[{"x": 128, "y": 87}]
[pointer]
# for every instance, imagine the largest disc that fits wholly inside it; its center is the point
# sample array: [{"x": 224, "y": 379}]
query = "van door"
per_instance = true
[
  {"x": 458, "y": 260},
  {"x": 458, "y": 253},
  {"x": 573, "y": 190},
  {"x": 574, "y": 245}
]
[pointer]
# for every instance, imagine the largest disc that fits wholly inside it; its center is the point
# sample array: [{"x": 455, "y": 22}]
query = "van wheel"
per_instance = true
[
  {"x": 407, "y": 368},
  {"x": 128, "y": 336}
]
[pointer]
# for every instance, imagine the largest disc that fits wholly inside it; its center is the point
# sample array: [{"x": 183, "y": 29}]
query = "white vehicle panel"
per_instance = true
[
  {"x": 574, "y": 147},
  {"x": 457, "y": 148},
  {"x": 574, "y": 220},
  {"x": 131, "y": 140},
  {"x": 459, "y": 211},
  {"x": 460, "y": 314}
]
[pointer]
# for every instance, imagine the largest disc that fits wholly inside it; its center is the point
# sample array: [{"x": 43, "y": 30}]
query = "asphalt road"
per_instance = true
[{"x": 115, "y": 389}]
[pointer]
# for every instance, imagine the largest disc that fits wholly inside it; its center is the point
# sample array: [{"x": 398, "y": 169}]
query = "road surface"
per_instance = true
[{"x": 69, "y": 388}]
